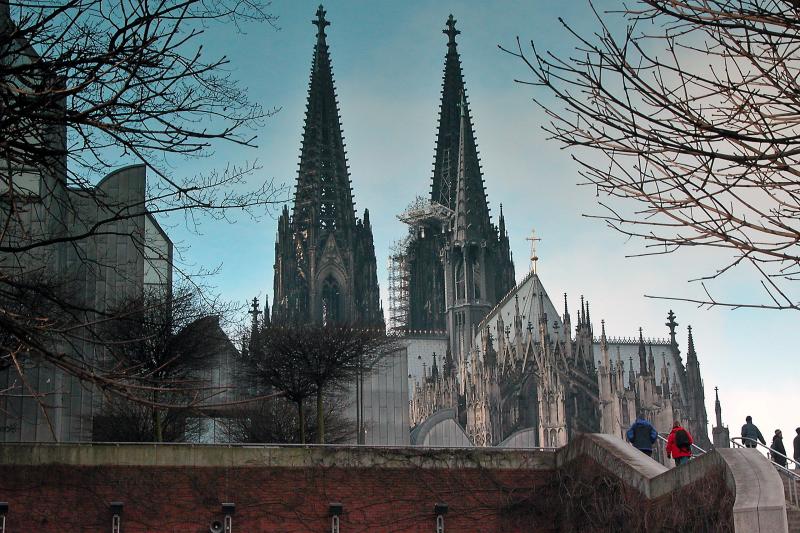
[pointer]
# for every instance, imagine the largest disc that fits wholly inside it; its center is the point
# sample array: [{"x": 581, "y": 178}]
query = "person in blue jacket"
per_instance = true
[{"x": 642, "y": 435}]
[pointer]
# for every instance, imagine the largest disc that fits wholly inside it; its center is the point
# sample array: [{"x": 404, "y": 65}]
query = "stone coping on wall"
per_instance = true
[{"x": 190, "y": 455}]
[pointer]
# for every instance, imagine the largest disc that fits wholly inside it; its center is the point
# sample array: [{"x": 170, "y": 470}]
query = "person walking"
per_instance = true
[
  {"x": 750, "y": 433},
  {"x": 642, "y": 435},
  {"x": 778, "y": 458},
  {"x": 797, "y": 449},
  {"x": 679, "y": 444}
]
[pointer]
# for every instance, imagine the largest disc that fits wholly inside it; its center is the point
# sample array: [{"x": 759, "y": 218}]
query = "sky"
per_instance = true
[{"x": 388, "y": 59}]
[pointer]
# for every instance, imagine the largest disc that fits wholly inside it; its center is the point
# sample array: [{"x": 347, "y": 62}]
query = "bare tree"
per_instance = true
[
  {"x": 86, "y": 86},
  {"x": 122, "y": 420},
  {"x": 157, "y": 351},
  {"x": 275, "y": 421},
  {"x": 313, "y": 361},
  {"x": 693, "y": 107}
]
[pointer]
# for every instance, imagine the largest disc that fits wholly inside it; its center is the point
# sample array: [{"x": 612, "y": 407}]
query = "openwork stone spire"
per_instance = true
[
  {"x": 454, "y": 122},
  {"x": 325, "y": 268},
  {"x": 323, "y": 191}
]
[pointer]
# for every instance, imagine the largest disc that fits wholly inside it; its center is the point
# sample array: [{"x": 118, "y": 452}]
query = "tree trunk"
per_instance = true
[
  {"x": 320, "y": 418},
  {"x": 158, "y": 434},
  {"x": 301, "y": 415}
]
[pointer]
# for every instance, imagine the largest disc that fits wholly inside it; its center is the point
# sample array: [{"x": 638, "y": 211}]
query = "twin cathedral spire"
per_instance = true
[{"x": 325, "y": 268}]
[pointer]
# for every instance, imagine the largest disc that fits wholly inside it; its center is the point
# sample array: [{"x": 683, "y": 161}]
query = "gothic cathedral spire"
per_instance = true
[
  {"x": 456, "y": 150},
  {"x": 464, "y": 261},
  {"x": 325, "y": 268}
]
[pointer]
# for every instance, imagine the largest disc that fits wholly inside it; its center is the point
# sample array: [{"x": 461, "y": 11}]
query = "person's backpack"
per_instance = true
[{"x": 682, "y": 439}]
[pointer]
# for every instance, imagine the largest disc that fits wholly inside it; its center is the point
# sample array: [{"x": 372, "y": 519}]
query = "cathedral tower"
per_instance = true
[
  {"x": 464, "y": 262},
  {"x": 325, "y": 269},
  {"x": 696, "y": 400}
]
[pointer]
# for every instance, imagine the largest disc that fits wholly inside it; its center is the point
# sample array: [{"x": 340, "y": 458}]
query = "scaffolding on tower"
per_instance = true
[
  {"x": 422, "y": 216},
  {"x": 399, "y": 274}
]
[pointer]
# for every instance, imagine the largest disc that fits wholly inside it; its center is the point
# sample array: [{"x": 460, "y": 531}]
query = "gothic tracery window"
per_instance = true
[{"x": 331, "y": 301}]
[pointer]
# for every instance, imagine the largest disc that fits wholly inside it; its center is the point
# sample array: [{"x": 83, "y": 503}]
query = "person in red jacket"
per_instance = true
[{"x": 679, "y": 444}]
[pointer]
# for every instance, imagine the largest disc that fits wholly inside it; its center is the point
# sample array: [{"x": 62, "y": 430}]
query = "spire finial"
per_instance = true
[
  {"x": 690, "y": 353},
  {"x": 451, "y": 30},
  {"x": 320, "y": 21}
]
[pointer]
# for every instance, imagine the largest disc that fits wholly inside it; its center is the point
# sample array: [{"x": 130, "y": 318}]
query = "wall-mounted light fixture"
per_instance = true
[
  {"x": 335, "y": 512},
  {"x": 3, "y": 512},
  {"x": 440, "y": 509},
  {"x": 228, "y": 509},
  {"x": 116, "y": 516}
]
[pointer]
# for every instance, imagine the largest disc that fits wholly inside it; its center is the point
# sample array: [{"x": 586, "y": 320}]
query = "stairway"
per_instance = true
[{"x": 792, "y": 511}]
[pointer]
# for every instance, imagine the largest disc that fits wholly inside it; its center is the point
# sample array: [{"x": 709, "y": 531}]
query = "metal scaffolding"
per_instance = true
[
  {"x": 399, "y": 274},
  {"x": 421, "y": 216}
]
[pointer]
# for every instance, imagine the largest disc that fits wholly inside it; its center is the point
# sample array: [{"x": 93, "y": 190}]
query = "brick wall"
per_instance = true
[{"x": 59, "y": 498}]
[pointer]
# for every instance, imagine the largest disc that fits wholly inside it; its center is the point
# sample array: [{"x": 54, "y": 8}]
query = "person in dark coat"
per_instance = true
[
  {"x": 750, "y": 433},
  {"x": 797, "y": 449},
  {"x": 642, "y": 435},
  {"x": 777, "y": 446}
]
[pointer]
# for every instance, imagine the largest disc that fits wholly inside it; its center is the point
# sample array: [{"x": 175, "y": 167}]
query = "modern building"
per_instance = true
[{"x": 88, "y": 247}]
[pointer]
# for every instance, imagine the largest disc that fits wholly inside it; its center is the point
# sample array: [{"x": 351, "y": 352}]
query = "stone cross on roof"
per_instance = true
[{"x": 534, "y": 258}]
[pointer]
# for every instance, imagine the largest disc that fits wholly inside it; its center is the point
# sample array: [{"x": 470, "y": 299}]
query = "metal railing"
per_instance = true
[{"x": 793, "y": 477}]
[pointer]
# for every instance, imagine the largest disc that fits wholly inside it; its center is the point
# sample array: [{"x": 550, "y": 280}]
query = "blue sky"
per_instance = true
[{"x": 388, "y": 59}]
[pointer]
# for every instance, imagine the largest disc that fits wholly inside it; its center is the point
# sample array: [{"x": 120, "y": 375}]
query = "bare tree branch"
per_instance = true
[{"x": 693, "y": 110}]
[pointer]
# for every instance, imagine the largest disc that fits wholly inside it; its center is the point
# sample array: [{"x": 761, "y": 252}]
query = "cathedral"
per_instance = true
[
  {"x": 489, "y": 362},
  {"x": 512, "y": 372}
]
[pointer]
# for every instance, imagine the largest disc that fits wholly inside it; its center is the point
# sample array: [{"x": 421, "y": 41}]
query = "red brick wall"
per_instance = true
[{"x": 44, "y": 499}]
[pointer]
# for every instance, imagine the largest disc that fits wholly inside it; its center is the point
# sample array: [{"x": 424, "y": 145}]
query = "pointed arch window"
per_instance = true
[
  {"x": 476, "y": 280},
  {"x": 331, "y": 301},
  {"x": 460, "y": 281}
]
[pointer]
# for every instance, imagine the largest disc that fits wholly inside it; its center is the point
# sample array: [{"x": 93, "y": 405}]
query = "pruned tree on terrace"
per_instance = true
[
  {"x": 87, "y": 86},
  {"x": 685, "y": 116},
  {"x": 312, "y": 361}
]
